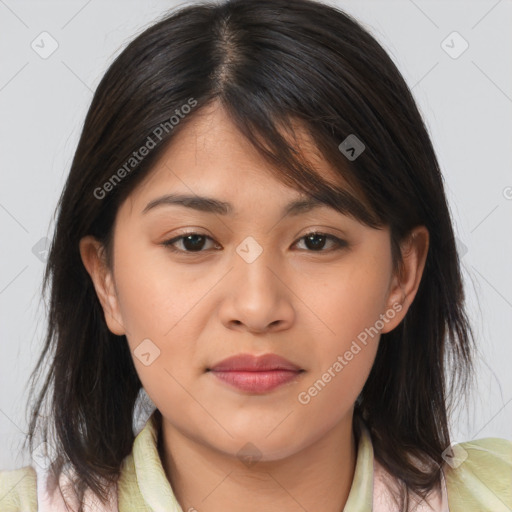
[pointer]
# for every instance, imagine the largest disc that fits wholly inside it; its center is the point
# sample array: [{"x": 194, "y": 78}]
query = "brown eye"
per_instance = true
[
  {"x": 317, "y": 241},
  {"x": 196, "y": 242},
  {"x": 191, "y": 242}
]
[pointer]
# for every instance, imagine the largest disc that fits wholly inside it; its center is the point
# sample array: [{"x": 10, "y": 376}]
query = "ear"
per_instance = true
[
  {"x": 93, "y": 257},
  {"x": 406, "y": 281}
]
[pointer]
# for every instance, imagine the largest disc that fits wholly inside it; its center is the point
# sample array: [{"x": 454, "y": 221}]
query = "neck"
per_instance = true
[{"x": 317, "y": 477}]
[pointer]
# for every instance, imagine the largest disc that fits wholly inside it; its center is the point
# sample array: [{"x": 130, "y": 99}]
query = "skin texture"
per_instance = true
[{"x": 305, "y": 304}]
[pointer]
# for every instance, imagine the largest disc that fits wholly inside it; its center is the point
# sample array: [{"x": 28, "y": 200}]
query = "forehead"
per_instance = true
[{"x": 209, "y": 157}]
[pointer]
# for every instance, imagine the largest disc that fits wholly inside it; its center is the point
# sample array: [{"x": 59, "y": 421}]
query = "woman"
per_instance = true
[{"x": 254, "y": 232}]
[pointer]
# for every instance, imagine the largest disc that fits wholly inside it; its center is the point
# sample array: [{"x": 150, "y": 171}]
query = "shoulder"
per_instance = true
[
  {"x": 479, "y": 473},
  {"x": 18, "y": 490}
]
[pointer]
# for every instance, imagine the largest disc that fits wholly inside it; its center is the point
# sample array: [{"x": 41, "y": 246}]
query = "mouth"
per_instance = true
[{"x": 256, "y": 374}]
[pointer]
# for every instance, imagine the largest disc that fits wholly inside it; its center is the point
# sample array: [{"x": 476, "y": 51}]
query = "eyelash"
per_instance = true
[{"x": 339, "y": 243}]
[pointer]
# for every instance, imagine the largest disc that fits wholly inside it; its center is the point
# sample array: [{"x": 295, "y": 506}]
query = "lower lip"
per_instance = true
[{"x": 257, "y": 382}]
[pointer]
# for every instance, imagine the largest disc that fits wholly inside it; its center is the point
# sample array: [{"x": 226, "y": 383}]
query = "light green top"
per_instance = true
[{"x": 479, "y": 480}]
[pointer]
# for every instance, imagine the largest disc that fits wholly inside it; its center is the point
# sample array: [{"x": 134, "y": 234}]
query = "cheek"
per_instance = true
[
  {"x": 349, "y": 305},
  {"x": 346, "y": 300},
  {"x": 328, "y": 396},
  {"x": 153, "y": 294},
  {"x": 343, "y": 357},
  {"x": 156, "y": 303}
]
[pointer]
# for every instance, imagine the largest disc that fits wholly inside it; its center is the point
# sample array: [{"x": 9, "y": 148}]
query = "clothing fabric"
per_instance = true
[{"x": 478, "y": 478}]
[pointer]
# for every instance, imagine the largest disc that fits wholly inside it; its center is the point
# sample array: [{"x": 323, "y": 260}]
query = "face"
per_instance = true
[{"x": 248, "y": 281}]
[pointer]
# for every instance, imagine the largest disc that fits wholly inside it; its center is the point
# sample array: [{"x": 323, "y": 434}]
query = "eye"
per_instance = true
[
  {"x": 195, "y": 242},
  {"x": 192, "y": 242},
  {"x": 316, "y": 241}
]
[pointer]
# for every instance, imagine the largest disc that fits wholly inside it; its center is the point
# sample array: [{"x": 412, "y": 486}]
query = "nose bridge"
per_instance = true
[
  {"x": 257, "y": 297},
  {"x": 253, "y": 265}
]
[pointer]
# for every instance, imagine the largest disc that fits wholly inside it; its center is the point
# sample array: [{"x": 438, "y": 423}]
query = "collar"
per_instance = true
[{"x": 368, "y": 492}]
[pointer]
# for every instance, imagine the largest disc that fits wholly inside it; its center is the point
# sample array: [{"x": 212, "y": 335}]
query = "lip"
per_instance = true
[
  {"x": 256, "y": 374},
  {"x": 250, "y": 363}
]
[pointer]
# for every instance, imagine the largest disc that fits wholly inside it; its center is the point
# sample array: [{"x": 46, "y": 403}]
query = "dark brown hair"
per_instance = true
[{"x": 273, "y": 65}]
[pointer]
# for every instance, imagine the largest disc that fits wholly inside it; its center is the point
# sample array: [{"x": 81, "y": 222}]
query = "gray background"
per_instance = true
[{"x": 466, "y": 101}]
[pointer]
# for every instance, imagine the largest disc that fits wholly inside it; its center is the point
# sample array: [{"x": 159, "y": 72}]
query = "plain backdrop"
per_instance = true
[{"x": 464, "y": 94}]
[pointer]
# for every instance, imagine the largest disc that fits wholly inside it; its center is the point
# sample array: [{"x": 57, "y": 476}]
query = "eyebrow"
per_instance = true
[{"x": 211, "y": 205}]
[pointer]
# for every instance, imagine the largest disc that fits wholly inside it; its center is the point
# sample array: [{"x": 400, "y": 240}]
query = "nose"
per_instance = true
[{"x": 258, "y": 295}]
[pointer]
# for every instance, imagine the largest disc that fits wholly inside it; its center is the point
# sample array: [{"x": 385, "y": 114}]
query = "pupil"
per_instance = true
[
  {"x": 193, "y": 238},
  {"x": 316, "y": 245}
]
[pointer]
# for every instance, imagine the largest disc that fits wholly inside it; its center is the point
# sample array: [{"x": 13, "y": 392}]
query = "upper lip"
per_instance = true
[{"x": 251, "y": 363}]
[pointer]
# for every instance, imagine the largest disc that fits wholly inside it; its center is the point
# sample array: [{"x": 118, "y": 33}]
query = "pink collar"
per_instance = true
[
  {"x": 437, "y": 501},
  {"x": 51, "y": 499}
]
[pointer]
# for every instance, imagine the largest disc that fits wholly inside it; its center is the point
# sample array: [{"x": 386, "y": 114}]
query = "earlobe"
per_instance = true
[
  {"x": 406, "y": 282},
  {"x": 92, "y": 254}
]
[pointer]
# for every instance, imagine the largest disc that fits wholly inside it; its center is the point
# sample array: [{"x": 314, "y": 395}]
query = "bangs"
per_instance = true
[{"x": 281, "y": 139}]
